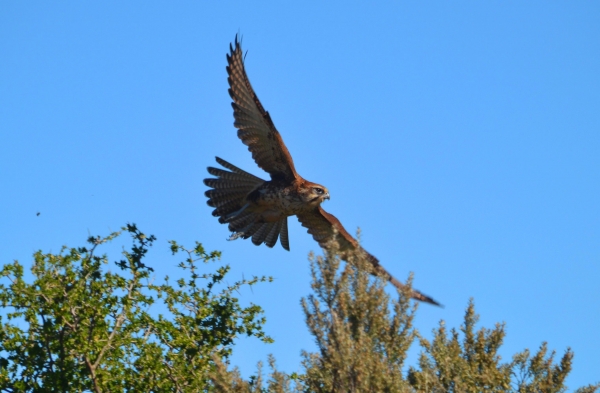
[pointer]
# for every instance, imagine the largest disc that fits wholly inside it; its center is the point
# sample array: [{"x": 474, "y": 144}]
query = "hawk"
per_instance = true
[{"x": 258, "y": 209}]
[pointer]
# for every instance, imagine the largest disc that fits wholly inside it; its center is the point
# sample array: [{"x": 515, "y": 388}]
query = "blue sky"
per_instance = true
[{"x": 462, "y": 138}]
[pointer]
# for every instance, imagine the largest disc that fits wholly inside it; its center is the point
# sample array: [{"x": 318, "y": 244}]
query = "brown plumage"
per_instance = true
[{"x": 258, "y": 209}]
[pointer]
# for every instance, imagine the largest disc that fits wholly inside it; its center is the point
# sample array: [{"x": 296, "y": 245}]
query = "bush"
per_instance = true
[{"x": 78, "y": 327}]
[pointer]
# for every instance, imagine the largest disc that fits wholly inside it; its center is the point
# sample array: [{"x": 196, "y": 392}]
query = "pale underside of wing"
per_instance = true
[
  {"x": 323, "y": 226},
  {"x": 255, "y": 128}
]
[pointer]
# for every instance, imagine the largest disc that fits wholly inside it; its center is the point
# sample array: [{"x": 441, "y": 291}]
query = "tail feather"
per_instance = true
[
  {"x": 237, "y": 170},
  {"x": 219, "y": 195},
  {"x": 241, "y": 222},
  {"x": 259, "y": 237},
  {"x": 271, "y": 238},
  {"x": 283, "y": 234},
  {"x": 223, "y": 214},
  {"x": 223, "y": 207},
  {"x": 228, "y": 196},
  {"x": 226, "y": 207},
  {"x": 229, "y": 189},
  {"x": 227, "y": 184},
  {"x": 231, "y": 176},
  {"x": 252, "y": 229}
]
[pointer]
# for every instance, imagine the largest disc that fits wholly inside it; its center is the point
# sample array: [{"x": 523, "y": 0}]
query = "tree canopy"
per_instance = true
[{"x": 76, "y": 323}]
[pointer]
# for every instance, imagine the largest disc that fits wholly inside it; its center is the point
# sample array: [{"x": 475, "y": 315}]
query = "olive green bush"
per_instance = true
[{"x": 77, "y": 323}]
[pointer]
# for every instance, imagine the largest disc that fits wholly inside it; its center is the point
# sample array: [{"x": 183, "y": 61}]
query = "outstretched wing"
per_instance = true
[
  {"x": 323, "y": 226},
  {"x": 254, "y": 124}
]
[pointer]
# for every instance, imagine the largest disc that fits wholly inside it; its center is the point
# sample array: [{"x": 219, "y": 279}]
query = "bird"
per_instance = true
[{"x": 258, "y": 209}]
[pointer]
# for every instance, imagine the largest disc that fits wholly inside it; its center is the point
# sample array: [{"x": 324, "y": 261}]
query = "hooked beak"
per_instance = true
[{"x": 326, "y": 196}]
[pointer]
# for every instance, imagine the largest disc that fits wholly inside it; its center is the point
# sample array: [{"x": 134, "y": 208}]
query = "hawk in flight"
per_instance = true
[{"x": 258, "y": 209}]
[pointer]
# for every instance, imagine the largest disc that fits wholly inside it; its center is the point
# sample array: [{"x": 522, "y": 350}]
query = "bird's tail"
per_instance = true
[
  {"x": 229, "y": 191},
  {"x": 228, "y": 196}
]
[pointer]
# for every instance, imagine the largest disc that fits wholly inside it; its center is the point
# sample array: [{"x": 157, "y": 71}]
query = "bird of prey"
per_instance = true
[{"x": 258, "y": 209}]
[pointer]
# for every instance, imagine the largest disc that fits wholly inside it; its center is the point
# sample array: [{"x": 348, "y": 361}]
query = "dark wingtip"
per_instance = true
[
  {"x": 210, "y": 202},
  {"x": 222, "y": 162},
  {"x": 435, "y": 303},
  {"x": 237, "y": 41},
  {"x": 426, "y": 299},
  {"x": 233, "y": 49}
]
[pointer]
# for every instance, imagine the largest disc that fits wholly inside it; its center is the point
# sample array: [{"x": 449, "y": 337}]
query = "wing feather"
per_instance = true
[
  {"x": 322, "y": 226},
  {"x": 254, "y": 124}
]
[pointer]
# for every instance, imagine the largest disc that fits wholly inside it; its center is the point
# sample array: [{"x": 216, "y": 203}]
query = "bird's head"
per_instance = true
[{"x": 313, "y": 193}]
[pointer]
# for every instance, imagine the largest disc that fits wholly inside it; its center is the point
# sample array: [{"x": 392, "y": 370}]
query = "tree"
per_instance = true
[
  {"x": 73, "y": 325},
  {"x": 80, "y": 327},
  {"x": 473, "y": 364},
  {"x": 361, "y": 342},
  {"x": 362, "y": 336}
]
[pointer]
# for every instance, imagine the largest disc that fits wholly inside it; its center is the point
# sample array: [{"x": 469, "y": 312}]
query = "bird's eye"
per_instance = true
[{"x": 319, "y": 191}]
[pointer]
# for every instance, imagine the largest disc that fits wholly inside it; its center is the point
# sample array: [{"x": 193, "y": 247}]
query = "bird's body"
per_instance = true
[
  {"x": 276, "y": 200},
  {"x": 258, "y": 209}
]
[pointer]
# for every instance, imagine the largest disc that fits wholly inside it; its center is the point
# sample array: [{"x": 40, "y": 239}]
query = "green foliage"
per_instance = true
[
  {"x": 539, "y": 374},
  {"x": 73, "y": 325},
  {"x": 474, "y": 365},
  {"x": 225, "y": 381},
  {"x": 80, "y": 327},
  {"x": 363, "y": 335},
  {"x": 362, "y": 344}
]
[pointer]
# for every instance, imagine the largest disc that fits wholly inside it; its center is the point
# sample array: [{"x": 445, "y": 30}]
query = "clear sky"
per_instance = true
[{"x": 463, "y": 138}]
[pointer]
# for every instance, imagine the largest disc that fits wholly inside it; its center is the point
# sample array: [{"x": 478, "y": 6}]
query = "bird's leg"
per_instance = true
[
  {"x": 241, "y": 233},
  {"x": 233, "y": 215},
  {"x": 236, "y": 235}
]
